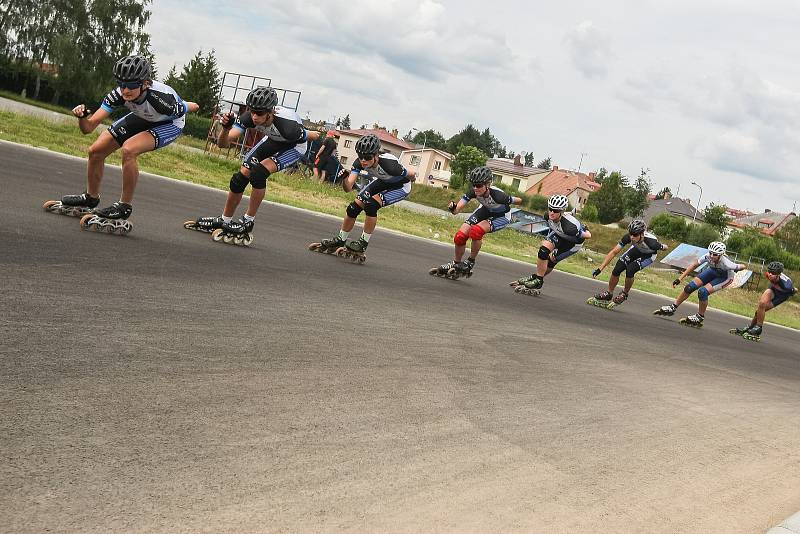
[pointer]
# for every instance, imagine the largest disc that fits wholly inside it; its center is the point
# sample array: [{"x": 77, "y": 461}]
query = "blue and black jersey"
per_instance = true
[{"x": 158, "y": 104}]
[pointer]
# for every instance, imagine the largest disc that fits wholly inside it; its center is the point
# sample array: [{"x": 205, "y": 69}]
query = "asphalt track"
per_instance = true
[{"x": 162, "y": 382}]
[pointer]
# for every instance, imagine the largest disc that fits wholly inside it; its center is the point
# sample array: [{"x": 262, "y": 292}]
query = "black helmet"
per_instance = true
[
  {"x": 132, "y": 69},
  {"x": 262, "y": 98},
  {"x": 480, "y": 175},
  {"x": 369, "y": 145},
  {"x": 636, "y": 227},
  {"x": 775, "y": 267}
]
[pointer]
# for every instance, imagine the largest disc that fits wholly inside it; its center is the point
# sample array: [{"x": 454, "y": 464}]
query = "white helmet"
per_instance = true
[
  {"x": 717, "y": 247},
  {"x": 558, "y": 202}
]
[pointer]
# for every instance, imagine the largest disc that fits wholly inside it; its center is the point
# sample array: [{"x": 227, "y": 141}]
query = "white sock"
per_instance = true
[
  {"x": 343, "y": 235},
  {"x": 365, "y": 236},
  {"x": 249, "y": 218},
  {"x": 227, "y": 219}
]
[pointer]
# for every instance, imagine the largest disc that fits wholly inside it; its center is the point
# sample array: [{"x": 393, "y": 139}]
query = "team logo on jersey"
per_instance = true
[{"x": 122, "y": 130}]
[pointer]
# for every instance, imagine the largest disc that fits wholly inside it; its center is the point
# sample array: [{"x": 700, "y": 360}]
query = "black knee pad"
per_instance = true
[
  {"x": 238, "y": 182},
  {"x": 353, "y": 210},
  {"x": 618, "y": 268},
  {"x": 371, "y": 207},
  {"x": 544, "y": 253},
  {"x": 258, "y": 175}
]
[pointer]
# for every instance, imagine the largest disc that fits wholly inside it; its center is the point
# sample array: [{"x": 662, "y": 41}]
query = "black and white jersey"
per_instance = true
[
  {"x": 722, "y": 264},
  {"x": 389, "y": 169},
  {"x": 648, "y": 246},
  {"x": 495, "y": 200},
  {"x": 568, "y": 228},
  {"x": 286, "y": 127},
  {"x": 783, "y": 285},
  {"x": 158, "y": 103}
]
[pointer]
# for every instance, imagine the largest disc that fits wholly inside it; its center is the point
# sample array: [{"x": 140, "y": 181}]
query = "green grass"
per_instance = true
[{"x": 296, "y": 191}]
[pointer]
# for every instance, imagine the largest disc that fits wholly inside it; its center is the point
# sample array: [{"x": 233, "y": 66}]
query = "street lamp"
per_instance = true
[
  {"x": 700, "y": 199},
  {"x": 424, "y": 137}
]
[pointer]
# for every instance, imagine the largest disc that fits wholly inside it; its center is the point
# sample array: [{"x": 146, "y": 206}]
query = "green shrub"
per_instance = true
[
  {"x": 197, "y": 125},
  {"x": 700, "y": 235},
  {"x": 671, "y": 226},
  {"x": 589, "y": 213}
]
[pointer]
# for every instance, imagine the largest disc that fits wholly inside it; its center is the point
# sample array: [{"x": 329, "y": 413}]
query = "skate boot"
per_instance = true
[
  {"x": 619, "y": 299},
  {"x": 443, "y": 271},
  {"x": 72, "y": 205},
  {"x": 354, "y": 251},
  {"x": 204, "y": 224},
  {"x": 522, "y": 281},
  {"x": 668, "y": 310},
  {"x": 113, "y": 219},
  {"x": 235, "y": 232},
  {"x": 602, "y": 300},
  {"x": 739, "y": 331},
  {"x": 753, "y": 333},
  {"x": 532, "y": 287},
  {"x": 695, "y": 321},
  {"x": 463, "y": 268},
  {"x": 327, "y": 246}
]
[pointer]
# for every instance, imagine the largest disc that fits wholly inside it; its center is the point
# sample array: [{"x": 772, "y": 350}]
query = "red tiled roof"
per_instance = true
[
  {"x": 383, "y": 135},
  {"x": 502, "y": 165},
  {"x": 563, "y": 182}
]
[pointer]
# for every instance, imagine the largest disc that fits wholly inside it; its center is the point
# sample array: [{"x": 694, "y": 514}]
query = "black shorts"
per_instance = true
[{"x": 163, "y": 132}]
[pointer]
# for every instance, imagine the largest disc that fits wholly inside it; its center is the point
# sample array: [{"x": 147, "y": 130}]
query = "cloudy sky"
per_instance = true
[{"x": 695, "y": 90}]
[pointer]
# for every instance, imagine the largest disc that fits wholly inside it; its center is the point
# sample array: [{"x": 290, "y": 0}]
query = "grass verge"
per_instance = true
[{"x": 215, "y": 172}]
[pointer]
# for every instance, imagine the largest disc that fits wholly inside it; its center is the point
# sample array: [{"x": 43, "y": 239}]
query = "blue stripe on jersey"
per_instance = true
[
  {"x": 106, "y": 107},
  {"x": 394, "y": 196}
]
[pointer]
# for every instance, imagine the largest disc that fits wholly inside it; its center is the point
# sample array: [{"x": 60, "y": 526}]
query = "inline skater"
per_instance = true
[
  {"x": 156, "y": 119},
  {"x": 283, "y": 145},
  {"x": 389, "y": 183},
  {"x": 780, "y": 290},
  {"x": 717, "y": 275},
  {"x": 644, "y": 247},
  {"x": 491, "y": 216},
  {"x": 565, "y": 238}
]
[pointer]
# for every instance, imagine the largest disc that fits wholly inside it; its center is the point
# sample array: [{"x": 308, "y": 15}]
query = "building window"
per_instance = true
[
  {"x": 515, "y": 183},
  {"x": 415, "y": 161},
  {"x": 437, "y": 165},
  {"x": 343, "y": 160},
  {"x": 348, "y": 143},
  {"x": 497, "y": 178}
]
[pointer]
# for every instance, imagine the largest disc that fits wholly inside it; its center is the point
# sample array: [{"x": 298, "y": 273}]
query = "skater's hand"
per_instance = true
[
  {"x": 451, "y": 207},
  {"x": 596, "y": 273},
  {"x": 676, "y": 282},
  {"x": 81, "y": 111},
  {"x": 227, "y": 120}
]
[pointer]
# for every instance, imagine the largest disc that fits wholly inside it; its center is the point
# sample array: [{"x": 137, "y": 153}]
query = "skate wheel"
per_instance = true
[
  {"x": 49, "y": 204},
  {"x": 247, "y": 240},
  {"x": 314, "y": 247},
  {"x": 362, "y": 259},
  {"x": 434, "y": 271},
  {"x": 85, "y": 221},
  {"x": 216, "y": 235},
  {"x": 190, "y": 225},
  {"x": 341, "y": 252},
  {"x": 110, "y": 229}
]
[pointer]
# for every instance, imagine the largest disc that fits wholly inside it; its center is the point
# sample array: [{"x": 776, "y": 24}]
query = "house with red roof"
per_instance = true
[
  {"x": 768, "y": 223},
  {"x": 389, "y": 142},
  {"x": 515, "y": 173},
  {"x": 576, "y": 186}
]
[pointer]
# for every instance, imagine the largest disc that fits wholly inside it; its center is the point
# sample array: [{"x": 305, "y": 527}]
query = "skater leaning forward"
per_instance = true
[
  {"x": 780, "y": 290},
  {"x": 491, "y": 216},
  {"x": 283, "y": 144},
  {"x": 389, "y": 183},
  {"x": 644, "y": 247},
  {"x": 565, "y": 238},
  {"x": 717, "y": 275},
  {"x": 156, "y": 119}
]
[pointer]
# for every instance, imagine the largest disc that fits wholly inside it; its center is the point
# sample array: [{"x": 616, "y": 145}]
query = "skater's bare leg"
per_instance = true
[
  {"x": 613, "y": 281},
  {"x": 764, "y": 305},
  {"x": 131, "y": 149},
  {"x": 257, "y": 195},
  {"x": 684, "y": 295},
  {"x": 231, "y": 203},
  {"x": 103, "y": 146},
  {"x": 542, "y": 268},
  {"x": 704, "y": 303},
  {"x": 628, "y": 283},
  {"x": 476, "y": 244}
]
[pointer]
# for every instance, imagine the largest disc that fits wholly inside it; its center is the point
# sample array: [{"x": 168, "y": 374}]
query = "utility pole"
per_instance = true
[{"x": 580, "y": 163}]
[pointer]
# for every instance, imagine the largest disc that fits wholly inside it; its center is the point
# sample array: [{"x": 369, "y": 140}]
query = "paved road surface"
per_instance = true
[{"x": 161, "y": 382}]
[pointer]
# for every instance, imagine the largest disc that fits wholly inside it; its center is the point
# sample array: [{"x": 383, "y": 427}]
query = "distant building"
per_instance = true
[
  {"x": 768, "y": 223},
  {"x": 672, "y": 206},
  {"x": 514, "y": 173},
  {"x": 576, "y": 186},
  {"x": 431, "y": 165}
]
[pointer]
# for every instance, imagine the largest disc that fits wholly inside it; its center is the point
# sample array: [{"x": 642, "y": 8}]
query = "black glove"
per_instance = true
[
  {"x": 86, "y": 112},
  {"x": 227, "y": 120},
  {"x": 596, "y": 273},
  {"x": 451, "y": 207},
  {"x": 676, "y": 282}
]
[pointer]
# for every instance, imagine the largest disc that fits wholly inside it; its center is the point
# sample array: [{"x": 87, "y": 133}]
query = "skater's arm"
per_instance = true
[
  {"x": 685, "y": 273},
  {"x": 610, "y": 256},
  {"x": 192, "y": 107},
  {"x": 87, "y": 121},
  {"x": 227, "y": 136}
]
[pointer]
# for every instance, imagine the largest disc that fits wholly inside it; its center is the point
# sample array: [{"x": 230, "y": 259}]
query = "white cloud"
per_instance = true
[{"x": 589, "y": 49}]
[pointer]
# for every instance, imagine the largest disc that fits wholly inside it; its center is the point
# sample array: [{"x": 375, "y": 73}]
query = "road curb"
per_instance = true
[{"x": 396, "y": 232}]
